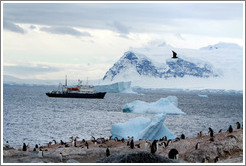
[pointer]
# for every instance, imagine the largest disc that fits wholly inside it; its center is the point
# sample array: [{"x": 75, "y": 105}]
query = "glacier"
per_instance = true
[
  {"x": 118, "y": 87},
  {"x": 143, "y": 128},
  {"x": 166, "y": 105}
]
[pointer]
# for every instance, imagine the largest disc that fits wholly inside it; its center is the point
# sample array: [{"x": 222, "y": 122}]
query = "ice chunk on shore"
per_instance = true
[
  {"x": 143, "y": 128},
  {"x": 164, "y": 105},
  {"x": 203, "y": 95},
  {"x": 118, "y": 87}
]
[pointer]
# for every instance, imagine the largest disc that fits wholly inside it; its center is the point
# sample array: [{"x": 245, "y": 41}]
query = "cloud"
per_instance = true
[
  {"x": 28, "y": 69},
  {"x": 33, "y": 27},
  {"x": 120, "y": 27},
  {"x": 65, "y": 31},
  {"x": 12, "y": 27}
]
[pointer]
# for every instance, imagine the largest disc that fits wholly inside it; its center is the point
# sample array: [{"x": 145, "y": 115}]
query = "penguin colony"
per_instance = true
[{"x": 153, "y": 146}]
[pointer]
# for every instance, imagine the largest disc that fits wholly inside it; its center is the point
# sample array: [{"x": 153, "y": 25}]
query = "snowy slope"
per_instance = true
[{"x": 213, "y": 67}]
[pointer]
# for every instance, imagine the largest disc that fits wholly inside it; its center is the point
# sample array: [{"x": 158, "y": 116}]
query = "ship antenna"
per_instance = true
[{"x": 66, "y": 81}]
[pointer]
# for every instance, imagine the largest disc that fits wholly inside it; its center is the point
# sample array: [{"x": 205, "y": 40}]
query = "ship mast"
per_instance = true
[{"x": 66, "y": 81}]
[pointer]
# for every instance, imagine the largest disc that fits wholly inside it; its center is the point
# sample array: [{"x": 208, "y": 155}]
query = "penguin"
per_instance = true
[
  {"x": 24, "y": 148},
  {"x": 216, "y": 159},
  {"x": 146, "y": 145},
  {"x": 211, "y": 132},
  {"x": 238, "y": 125},
  {"x": 211, "y": 139},
  {"x": 165, "y": 138},
  {"x": 28, "y": 146},
  {"x": 230, "y": 129},
  {"x": 36, "y": 146},
  {"x": 7, "y": 144},
  {"x": 107, "y": 152},
  {"x": 174, "y": 55},
  {"x": 54, "y": 141},
  {"x": 173, "y": 154},
  {"x": 182, "y": 136},
  {"x": 122, "y": 140},
  {"x": 128, "y": 141},
  {"x": 75, "y": 141},
  {"x": 116, "y": 139},
  {"x": 93, "y": 138},
  {"x": 87, "y": 145},
  {"x": 132, "y": 144},
  {"x": 34, "y": 149},
  {"x": 169, "y": 142},
  {"x": 138, "y": 145},
  {"x": 205, "y": 160},
  {"x": 197, "y": 146},
  {"x": 220, "y": 131},
  {"x": 165, "y": 144},
  {"x": 41, "y": 153},
  {"x": 153, "y": 147},
  {"x": 110, "y": 138},
  {"x": 60, "y": 156},
  {"x": 61, "y": 142},
  {"x": 83, "y": 140}
]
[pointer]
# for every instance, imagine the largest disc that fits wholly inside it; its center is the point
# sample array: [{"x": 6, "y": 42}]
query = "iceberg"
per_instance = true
[
  {"x": 166, "y": 105},
  {"x": 118, "y": 87},
  {"x": 143, "y": 128}
]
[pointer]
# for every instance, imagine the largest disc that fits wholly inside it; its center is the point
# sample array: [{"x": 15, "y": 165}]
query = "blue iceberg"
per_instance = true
[
  {"x": 166, "y": 105},
  {"x": 143, "y": 128}
]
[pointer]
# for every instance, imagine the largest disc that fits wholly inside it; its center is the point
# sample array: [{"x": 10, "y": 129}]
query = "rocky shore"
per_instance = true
[{"x": 223, "y": 147}]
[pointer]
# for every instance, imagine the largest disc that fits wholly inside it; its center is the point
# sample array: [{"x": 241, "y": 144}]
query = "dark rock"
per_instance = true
[{"x": 139, "y": 157}]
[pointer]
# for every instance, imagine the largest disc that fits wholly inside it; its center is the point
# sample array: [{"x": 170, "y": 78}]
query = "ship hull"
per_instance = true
[{"x": 99, "y": 95}]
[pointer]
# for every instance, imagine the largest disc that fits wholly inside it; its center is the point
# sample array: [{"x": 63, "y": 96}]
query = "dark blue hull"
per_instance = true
[{"x": 98, "y": 95}]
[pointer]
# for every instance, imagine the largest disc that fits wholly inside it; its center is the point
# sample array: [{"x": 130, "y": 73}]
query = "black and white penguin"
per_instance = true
[
  {"x": 238, "y": 125},
  {"x": 216, "y": 159},
  {"x": 122, "y": 140},
  {"x": 24, "y": 148},
  {"x": 132, "y": 143},
  {"x": 182, "y": 136},
  {"x": 173, "y": 154},
  {"x": 7, "y": 144},
  {"x": 220, "y": 131},
  {"x": 60, "y": 156},
  {"x": 197, "y": 145},
  {"x": 211, "y": 132},
  {"x": 230, "y": 129},
  {"x": 36, "y": 146},
  {"x": 87, "y": 145},
  {"x": 154, "y": 147},
  {"x": 205, "y": 160},
  {"x": 107, "y": 152},
  {"x": 169, "y": 142},
  {"x": 54, "y": 141}
]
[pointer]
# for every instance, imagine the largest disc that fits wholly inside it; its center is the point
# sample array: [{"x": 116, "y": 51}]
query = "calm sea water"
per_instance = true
[{"x": 30, "y": 116}]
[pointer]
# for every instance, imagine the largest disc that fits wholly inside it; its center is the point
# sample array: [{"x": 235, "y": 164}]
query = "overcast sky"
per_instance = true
[{"x": 50, "y": 40}]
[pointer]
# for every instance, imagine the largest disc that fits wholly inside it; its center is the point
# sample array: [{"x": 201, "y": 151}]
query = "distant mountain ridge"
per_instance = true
[{"x": 172, "y": 68}]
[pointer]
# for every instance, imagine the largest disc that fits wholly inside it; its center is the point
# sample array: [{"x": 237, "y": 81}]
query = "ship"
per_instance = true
[{"x": 80, "y": 91}]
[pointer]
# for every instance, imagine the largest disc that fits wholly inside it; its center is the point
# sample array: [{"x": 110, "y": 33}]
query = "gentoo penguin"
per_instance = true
[
  {"x": 182, "y": 136},
  {"x": 173, "y": 154},
  {"x": 107, "y": 152},
  {"x": 60, "y": 156},
  {"x": 62, "y": 143},
  {"x": 132, "y": 144},
  {"x": 122, "y": 140},
  {"x": 216, "y": 159},
  {"x": 153, "y": 147},
  {"x": 24, "y": 148},
  {"x": 220, "y": 131},
  {"x": 54, "y": 141},
  {"x": 211, "y": 132},
  {"x": 36, "y": 146},
  {"x": 205, "y": 160},
  {"x": 198, "y": 145},
  {"x": 28, "y": 147},
  {"x": 230, "y": 129},
  {"x": 7, "y": 144},
  {"x": 169, "y": 142},
  {"x": 87, "y": 145},
  {"x": 238, "y": 125},
  {"x": 128, "y": 141}
]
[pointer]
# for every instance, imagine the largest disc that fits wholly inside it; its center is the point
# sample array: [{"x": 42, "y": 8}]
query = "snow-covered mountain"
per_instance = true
[
  {"x": 218, "y": 66},
  {"x": 172, "y": 68}
]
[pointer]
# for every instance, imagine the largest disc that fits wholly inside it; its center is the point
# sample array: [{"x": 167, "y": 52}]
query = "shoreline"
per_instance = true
[{"x": 227, "y": 147}]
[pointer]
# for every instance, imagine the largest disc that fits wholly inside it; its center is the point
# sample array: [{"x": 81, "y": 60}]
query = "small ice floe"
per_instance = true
[
  {"x": 143, "y": 128},
  {"x": 168, "y": 105},
  {"x": 202, "y": 95}
]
